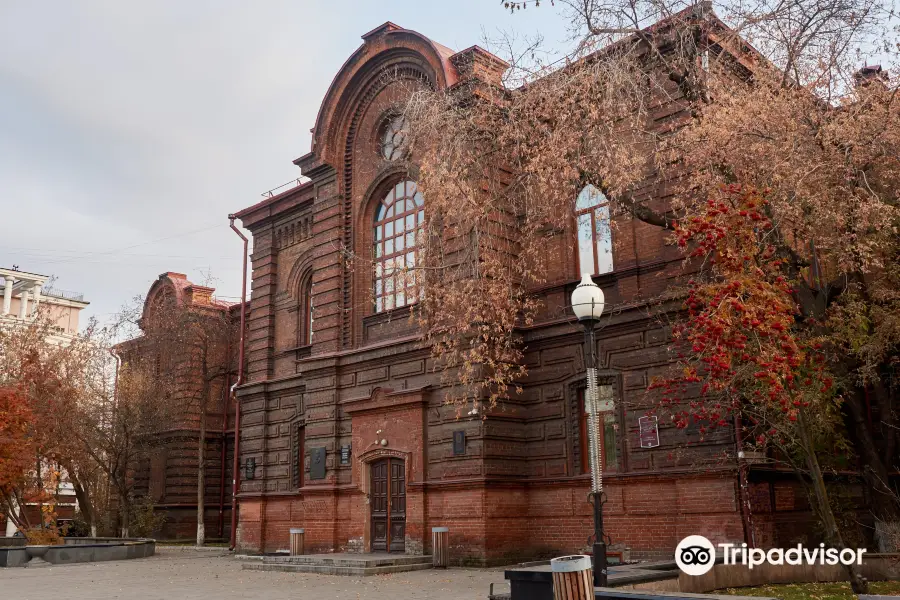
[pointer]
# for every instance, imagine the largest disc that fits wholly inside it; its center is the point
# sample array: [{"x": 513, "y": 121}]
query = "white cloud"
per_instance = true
[{"x": 124, "y": 122}]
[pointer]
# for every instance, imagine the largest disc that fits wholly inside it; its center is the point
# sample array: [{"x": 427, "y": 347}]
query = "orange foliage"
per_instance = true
[{"x": 17, "y": 450}]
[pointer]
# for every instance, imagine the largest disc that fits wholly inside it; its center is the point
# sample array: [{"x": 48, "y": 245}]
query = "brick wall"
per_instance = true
[{"x": 517, "y": 489}]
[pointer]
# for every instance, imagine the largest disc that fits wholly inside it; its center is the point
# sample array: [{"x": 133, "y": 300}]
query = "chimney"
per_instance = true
[{"x": 477, "y": 64}]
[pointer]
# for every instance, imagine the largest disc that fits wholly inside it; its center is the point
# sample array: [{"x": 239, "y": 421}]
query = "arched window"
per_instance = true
[
  {"x": 393, "y": 137},
  {"x": 399, "y": 219},
  {"x": 594, "y": 234},
  {"x": 305, "y": 311}
]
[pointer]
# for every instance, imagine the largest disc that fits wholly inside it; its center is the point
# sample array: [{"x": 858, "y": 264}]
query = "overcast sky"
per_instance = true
[{"x": 129, "y": 130}]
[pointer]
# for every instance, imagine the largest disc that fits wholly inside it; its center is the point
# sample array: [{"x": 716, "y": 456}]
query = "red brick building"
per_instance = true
[
  {"x": 344, "y": 431},
  {"x": 344, "y": 428},
  {"x": 168, "y": 474}
]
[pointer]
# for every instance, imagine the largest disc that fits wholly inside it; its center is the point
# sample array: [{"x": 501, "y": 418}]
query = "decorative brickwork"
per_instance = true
[
  {"x": 515, "y": 488},
  {"x": 169, "y": 475}
]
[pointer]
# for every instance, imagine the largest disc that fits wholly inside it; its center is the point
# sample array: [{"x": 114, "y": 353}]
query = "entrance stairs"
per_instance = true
[{"x": 342, "y": 564}]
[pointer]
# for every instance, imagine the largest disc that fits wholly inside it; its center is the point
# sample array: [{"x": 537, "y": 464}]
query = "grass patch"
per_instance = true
[{"x": 815, "y": 591}]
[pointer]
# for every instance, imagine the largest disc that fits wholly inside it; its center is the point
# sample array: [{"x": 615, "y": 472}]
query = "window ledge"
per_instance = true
[{"x": 387, "y": 316}]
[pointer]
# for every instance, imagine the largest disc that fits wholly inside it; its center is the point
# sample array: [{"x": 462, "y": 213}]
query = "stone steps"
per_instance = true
[{"x": 358, "y": 566}]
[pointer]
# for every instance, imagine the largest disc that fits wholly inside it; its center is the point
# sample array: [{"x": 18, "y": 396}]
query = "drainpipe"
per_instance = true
[{"x": 235, "y": 475}]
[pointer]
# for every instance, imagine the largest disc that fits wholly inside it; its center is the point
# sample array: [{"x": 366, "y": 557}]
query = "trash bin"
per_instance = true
[
  {"x": 440, "y": 547},
  {"x": 573, "y": 578},
  {"x": 296, "y": 541}
]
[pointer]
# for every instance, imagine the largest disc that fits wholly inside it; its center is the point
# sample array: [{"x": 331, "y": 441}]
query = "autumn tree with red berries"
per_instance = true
[{"x": 777, "y": 174}]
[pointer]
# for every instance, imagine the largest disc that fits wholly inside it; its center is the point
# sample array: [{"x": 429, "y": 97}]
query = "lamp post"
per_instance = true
[{"x": 587, "y": 304}]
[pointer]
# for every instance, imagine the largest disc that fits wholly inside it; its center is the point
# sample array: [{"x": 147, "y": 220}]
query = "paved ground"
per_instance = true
[{"x": 187, "y": 574}]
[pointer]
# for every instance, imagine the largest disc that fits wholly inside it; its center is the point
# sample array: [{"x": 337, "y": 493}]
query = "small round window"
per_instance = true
[{"x": 394, "y": 137}]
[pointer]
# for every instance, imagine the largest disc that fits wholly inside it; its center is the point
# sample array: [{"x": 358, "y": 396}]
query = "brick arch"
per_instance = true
[
  {"x": 383, "y": 47},
  {"x": 169, "y": 287},
  {"x": 401, "y": 68},
  {"x": 300, "y": 272},
  {"x": 369, "y": 456}
]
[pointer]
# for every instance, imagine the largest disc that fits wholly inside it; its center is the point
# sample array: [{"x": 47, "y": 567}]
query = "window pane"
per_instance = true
[
  {"x": 603, "y": 236},
  {"x": 610, "y": 448},
  {"x": 589, "y": 198},
  {"x": 585, "y": 245},
  {"x": 394, "y": 282}
]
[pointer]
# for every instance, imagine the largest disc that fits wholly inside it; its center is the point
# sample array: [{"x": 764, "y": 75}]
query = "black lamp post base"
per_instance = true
[{"x": 600, "y": 567}]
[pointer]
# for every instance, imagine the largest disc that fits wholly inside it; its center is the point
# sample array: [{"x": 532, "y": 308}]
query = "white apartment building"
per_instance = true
[{"x": 24, "y": 294}]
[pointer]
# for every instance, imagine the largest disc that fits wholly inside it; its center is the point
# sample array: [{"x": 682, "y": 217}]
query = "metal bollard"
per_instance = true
[
  {"x": 296, "y": 541},
  {"x": 573, "y": 578},
  {"x": 440, "y": 547}
]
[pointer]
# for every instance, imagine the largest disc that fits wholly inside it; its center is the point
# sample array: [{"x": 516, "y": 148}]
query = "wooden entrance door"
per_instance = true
[{"x": 388, "y": 505}]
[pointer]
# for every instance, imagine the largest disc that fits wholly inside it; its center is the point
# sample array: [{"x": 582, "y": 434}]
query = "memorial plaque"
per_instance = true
[
  {"x": 317, "y": 463},
  {"x": 649, "y": 432},
  {"x": 345, "y": 455},
  {"x": 250, "y": 468},
  {"x": 459, "y": 443}
]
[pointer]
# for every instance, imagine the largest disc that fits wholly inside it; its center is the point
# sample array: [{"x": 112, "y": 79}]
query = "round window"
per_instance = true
[{"x": 393, "y": 137}]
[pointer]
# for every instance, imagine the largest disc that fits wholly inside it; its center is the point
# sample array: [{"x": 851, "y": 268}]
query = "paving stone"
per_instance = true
[{"x": 186, "y": 574}]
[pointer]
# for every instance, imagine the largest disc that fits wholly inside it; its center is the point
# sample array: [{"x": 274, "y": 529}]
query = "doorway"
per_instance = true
[{"x": 388, "y": 505}]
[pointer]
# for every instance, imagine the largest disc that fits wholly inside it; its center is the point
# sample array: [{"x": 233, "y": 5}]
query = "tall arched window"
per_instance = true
[
  {"x": 308, "y": 312},
  {"x": 594, "y": 234},
  {"x": 399, "y": 219},
  {"x": 305, "y": 311}
]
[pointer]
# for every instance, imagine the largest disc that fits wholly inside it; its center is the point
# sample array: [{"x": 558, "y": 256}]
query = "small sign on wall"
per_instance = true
[
  {"x": 345, "y": 455},
  {"x": 459, "y": 442},
  {"x": 317, "y": 463},
  {"x": 649, "y": 432}
]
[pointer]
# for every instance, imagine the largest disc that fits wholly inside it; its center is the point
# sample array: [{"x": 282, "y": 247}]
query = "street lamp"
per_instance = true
[{"x": 587, "y": 304}]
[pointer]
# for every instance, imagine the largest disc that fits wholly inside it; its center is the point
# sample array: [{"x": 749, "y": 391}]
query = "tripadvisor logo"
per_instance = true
[{"x": 696, "y": 555}]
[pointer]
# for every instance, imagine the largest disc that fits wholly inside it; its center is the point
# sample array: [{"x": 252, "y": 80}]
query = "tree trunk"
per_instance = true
[
  {"x": 201, "y": 476},
  {"x": 832, "y": 532},
  {"x": 40, "y": 489},
  {"x": 84, "y": 500},
  {"x": 124, "y": 514},
  {"x": 875, "y": 474}
]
